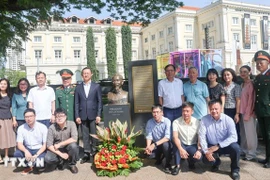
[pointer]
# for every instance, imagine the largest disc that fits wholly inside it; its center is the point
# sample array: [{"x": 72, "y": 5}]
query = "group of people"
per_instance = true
[
  {"x": 40, "y": 122},
  {"x": 200, "y": 121},
  {"x": 193, "y": 121}
]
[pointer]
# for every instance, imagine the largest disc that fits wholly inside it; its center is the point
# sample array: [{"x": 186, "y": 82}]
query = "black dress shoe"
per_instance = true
[
  {"x": 262, "y": 161},
  {"x": 74, "y": 169},
  {"x": 175, "y": 171},
  {"x": 167, "y": 169},
  {"x": 215, "y": 167},
  {"x": 85, "y": 159},
  {"x": 235, "y": 176},
  {"x": 266, "y": 165}
]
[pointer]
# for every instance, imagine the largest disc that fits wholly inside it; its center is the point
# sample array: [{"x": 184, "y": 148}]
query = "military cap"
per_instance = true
[
  {"x": 261, "y": 55},
  {"x": 66, "y": 73}
]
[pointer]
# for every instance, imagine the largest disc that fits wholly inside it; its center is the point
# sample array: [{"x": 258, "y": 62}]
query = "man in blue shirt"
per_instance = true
[
  {"x": 196, "y": 91},
  {"x": 158, "y": 133},
  {"x": 217, "y": 135}
]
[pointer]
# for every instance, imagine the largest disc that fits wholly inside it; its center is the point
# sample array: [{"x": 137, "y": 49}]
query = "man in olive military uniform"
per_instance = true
[
  {"x": 262, "y": 103},
  {"x": 64, "y": 95}
]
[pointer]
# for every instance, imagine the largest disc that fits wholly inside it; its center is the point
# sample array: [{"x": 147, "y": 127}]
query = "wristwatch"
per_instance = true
[{"x": 155, "y": 144}]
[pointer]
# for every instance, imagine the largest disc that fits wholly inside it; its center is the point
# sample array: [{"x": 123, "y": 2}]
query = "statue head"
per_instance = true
[{"x": 117, "y": 81}]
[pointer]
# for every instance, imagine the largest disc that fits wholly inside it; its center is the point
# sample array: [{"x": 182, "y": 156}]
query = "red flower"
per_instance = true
[
  {"x": 122, "y": 152},
  {"x": 114, "y": 161},
  {"x": 114, "y": 147},
  {"x": 122, "y": 161},
  {"x": 126, "y": 156},
  {"x": 104, "y": 164},
  {"x": 126, "y": 131},
  {"x": 124, "y": 148}
]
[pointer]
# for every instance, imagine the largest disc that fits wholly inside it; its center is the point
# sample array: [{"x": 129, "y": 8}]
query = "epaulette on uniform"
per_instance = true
[{"x": 59, "y": 87}]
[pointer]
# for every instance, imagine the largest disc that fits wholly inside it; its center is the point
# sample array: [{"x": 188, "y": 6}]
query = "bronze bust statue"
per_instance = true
[{"x": 117, "y": 94}]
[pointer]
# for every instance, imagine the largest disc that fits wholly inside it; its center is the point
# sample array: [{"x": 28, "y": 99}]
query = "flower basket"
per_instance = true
[{"x": 116, "y": 154}]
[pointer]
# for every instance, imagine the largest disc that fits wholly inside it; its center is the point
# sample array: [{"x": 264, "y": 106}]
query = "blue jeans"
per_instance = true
[
  {"x": 233, "y": 150},
  {"x": 46, "y": 122},
  {"x": 191, "y": 150},
  {"x": 172, "y": 114},
  {"x": 19, "y": 154}
]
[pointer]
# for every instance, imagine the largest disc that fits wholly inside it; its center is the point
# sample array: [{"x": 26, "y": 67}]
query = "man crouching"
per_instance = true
[{"x": 62, "y": 142}]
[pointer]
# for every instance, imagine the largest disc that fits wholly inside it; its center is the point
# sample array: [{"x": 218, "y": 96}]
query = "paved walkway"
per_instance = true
[{"x": 249, "y": 171}]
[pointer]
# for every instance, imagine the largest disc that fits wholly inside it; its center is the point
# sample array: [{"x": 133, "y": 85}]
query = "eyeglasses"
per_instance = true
[
  {"x": 27, "y": 117},
  {"x": 60, "y": 116},
  {"x": 23, "y": 84}
]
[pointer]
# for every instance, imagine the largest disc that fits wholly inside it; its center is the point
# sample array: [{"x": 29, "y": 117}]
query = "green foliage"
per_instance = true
[
  {"x": 126, "y": 47},
  {"x": 14, "y": 76},
  {"x": 90, "y": 54},
  {"x": 111, "y": 54},
  {"x": 18, "y": 17}
]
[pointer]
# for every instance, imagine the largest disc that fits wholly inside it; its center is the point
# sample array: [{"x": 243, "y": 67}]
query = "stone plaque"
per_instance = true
[
  {"x": 142, "y": 85},
  {"x": 113, "y": 112},
  {"x": 143, "y": 88}
]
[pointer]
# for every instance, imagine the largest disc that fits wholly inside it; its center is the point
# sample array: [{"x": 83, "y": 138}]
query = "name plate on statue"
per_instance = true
[{"x": 112, "y": 112}]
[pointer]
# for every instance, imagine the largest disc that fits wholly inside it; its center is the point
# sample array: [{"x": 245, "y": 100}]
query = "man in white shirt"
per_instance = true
[
  {"x": 42, "y": 99},
  {"x": 185, "y": 138},
  {"x": 31, "y": 140},
  {"x": 170, "y": 94}
]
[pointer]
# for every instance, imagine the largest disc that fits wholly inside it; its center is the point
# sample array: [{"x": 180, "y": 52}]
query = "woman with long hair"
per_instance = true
[
  {"x": 7, "y": 134},
  {"x": 248, "y": 131},
  {"x": 216, "y": 90},
  {"x": 232, "y": 98},
  {"x": 19, "y": 101}
]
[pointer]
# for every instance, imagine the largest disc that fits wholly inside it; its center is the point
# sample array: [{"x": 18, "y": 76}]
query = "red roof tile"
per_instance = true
[{"x": 191, "y": 8}]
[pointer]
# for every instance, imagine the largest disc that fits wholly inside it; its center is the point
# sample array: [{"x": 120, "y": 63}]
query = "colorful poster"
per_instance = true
[
  {"x": 162, "y": 61},
  {"x": 202, "y": 59},
  {"x": 183, "y": 60},
  {"x": 210, "y": 58},
  {"x": 246, "y": 31}
]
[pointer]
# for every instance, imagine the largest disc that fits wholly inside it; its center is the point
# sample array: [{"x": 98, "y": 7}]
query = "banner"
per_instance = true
[
  {"x": 183, "y": 60},
  {"x": 202, "y": 59},
  {"x": 162, "y": 61},
  {"x": 265, "y": 32},
  {"x": 246, "y": 31}
]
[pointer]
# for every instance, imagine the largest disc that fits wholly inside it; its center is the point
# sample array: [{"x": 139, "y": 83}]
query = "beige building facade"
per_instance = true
[
  {"x": 238, "y": 29},
  {"x": 63, "y": 45}
]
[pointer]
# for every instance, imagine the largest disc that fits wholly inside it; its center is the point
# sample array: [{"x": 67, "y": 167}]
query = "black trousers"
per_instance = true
[
  {"x": 233, "y": 150},
  {"x": 264, "y": 124},
  {"x": 73, "y": 152},
  {"x": 166, "y": 150},
  {"x": 89, "y": 143}
]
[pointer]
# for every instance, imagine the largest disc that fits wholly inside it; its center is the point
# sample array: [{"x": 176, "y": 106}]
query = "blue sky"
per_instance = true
[{"x": 196, "y": 3}]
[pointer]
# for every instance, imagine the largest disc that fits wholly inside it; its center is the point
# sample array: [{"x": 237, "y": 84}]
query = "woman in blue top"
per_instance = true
[{"x": 19, "y": 101}]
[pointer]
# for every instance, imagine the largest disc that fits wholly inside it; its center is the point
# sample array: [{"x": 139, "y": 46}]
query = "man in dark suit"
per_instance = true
[
  {"x": 262, "y": 103},
  {"x": 88, "y": 107}
]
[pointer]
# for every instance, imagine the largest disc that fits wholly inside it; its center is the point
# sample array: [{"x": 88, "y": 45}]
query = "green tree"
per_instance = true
[
  {"x": 111, "y": 51},
  {"x": 18, "y": 17},
  {"x": 126, "y": 47},
  {"x": 90, "y": 54},
  {"x": 14, "y": 76}
]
